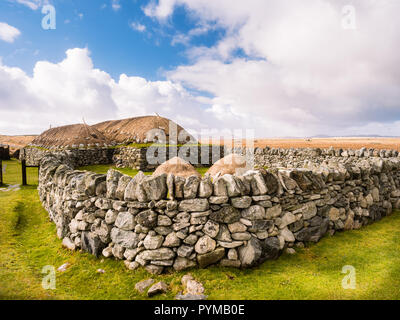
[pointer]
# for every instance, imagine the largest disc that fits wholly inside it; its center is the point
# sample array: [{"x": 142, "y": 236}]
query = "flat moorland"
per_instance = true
[{"x": 324, "y": 143}]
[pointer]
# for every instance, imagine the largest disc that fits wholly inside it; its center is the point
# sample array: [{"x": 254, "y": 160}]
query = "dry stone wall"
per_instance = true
[
  {"x": 149, "y": 158},
  {"x": 168, "y": 222},
  {"x": 309, "y": 157},
  {"x": 75, "y": 157}
]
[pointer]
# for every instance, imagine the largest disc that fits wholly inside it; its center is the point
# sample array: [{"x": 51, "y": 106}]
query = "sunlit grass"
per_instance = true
[
  {"x": 103, "y": 168},
  {"x": 28, "y": 242}
]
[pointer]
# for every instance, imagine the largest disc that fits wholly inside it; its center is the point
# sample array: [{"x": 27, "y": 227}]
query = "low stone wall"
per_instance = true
[
  {"x": 309, "y": 157},
  {"x": 168, "y": 222},
  {"x": 76, "y": 157},
  {"x": 149, "y": 158}
]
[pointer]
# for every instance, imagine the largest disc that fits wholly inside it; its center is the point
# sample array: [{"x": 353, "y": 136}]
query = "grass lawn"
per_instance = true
[
  {"x": 28, "y": 242},
  {"x": 103, "y": 168}
]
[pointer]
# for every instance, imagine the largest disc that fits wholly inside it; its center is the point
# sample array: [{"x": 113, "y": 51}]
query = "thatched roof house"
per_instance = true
[
  {"x": 178, "y": 167},
  {"x": 231, "y": 164},
  {"x": 135, "y": 130},
  {"x": 74, "y": 135}
]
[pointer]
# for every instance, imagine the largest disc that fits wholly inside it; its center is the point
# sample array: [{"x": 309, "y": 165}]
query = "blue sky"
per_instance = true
[
  {"x": 114, "y": 45},
  {"x": 277, "y": 67}
]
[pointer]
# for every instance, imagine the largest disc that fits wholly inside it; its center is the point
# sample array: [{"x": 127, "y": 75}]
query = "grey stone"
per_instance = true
[
  {"x": 164, "y": 221},
  {"x": 122, "y": 184},
  {"x": 155, "y": 187},
  {"x": 183, "y": 264},
  {"x": 233, "y": 185},
  {"x": 241, "y": 202},
  {"x": 153, "y": 242},
  {"x": 125, "y": 221},
  {"x": 226, "y": 214},
  {"x": 113, "y": 177},
  {"x": 191, "y": 187},
  {"x": 127, "y": 239},
  {"x": 158, "y": 254},
  {"x": 205, "y": 188},
  {"x": 185, "y": 251},
  {"x": 118, "y": 251},
  {"x": 218, "y": 199},
  {"x": 154, "y": 269},
  {"x": 241, "y": 236},
  {"x": 230, "y": 263},
  {"x": 171, "y": 240},
  {"x": 130, "y": 254},
  {"x": 255, "y": 212},
  {"x": 91, "y": 243},
  {"x": 224, "y": 234},
  {"x": 147, "y": 218},
  {"x": 273, "y": 212},
  {"x": 209, "y": 258},
  {"x": 158, "y": 288},
  {"x": 131, "y": 190},
  {"x": 211, "y": 228},
  {"x": 237, "y": 227},
  {"x": 312, "y": 234},
  {"x": 270, "y": 249},
  {"x": 205, "y": 244},
  {"x": 250, "y": 254},
  {"x": 193, "y": 205},
  {"x": 191, "y": 239},
  {"x": 230, "y": 245}
]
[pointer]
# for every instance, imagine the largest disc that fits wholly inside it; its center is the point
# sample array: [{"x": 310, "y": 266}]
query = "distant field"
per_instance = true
[
  {"x": 16, "y": 142},
  {"x": 103, "y": 168},
  {"x": 345, "y": 143}
]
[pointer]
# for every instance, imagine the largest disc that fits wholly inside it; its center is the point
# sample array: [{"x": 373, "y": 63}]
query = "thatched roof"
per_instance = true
[
  {"x": 134, "y": 130},
  {"x": 73, "y": 135},
  {"x": 178, "y": 167},
  {"x": 231, "y": 164}
]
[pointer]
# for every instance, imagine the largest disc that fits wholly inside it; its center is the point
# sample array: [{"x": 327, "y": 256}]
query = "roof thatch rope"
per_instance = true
[
  {"x": 73, "y": 135},
  {"x": 177, "y": 167}
]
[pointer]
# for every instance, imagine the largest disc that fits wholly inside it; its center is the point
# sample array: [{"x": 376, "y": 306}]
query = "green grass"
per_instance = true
[
  {"x": 28, "y": 242},
  {"x": 103, "y": 168}
]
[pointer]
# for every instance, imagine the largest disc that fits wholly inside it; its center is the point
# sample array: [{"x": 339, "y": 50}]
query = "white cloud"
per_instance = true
[
  {"x": 32, "y": 4},
  {"x": 162, "y": 10},
  {"x": 65, "y": 92},
  {"x": 138, "y": 26},
  {"x": 115, "y": 5},
  {"x": 8, "y": 33},
  {"x": 304, "y": 74}
]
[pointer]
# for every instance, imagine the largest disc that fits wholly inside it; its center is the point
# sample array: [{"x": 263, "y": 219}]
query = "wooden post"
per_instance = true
[
  {"x": 1, "y": 172},
  {"x": 23, "y": 163}
]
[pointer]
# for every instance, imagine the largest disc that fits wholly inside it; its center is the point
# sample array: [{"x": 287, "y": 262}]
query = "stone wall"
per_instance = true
[
  {"x": 76, "y": 157},
  {"x": 309, "y": 157},
  {"x": 149, "y": 158},
  {"x": 168, "y": 222}
]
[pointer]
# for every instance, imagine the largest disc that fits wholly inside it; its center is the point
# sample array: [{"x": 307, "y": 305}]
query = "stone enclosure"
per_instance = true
[{"x": 171, "y": 223}]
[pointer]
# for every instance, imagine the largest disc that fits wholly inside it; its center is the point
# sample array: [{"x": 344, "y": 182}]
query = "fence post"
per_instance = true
[
  {"x": 1, "y": 172},
  {"x": 23, "y": 163}
]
